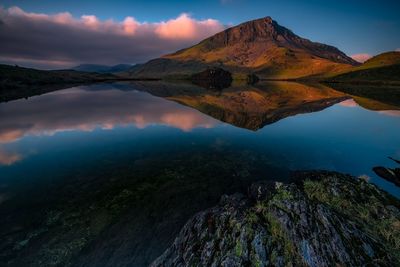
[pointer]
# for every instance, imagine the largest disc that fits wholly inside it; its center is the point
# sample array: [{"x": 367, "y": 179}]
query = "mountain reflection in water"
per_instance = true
[
  {"x": 250, "y": 106},
  {"x": 107, "y": 174}
]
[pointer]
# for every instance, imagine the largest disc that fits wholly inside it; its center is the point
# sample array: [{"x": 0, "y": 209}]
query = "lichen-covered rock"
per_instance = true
[{"x": 322, "y": 219}]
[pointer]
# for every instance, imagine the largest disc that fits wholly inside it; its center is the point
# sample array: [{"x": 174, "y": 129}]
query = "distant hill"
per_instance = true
[
  {"x": 261, "y": 46},
  {"x": 15, "y": 76},
  {"x": 102, "y": 68},
  {"x": 381, "y": 69},
  {"x": 17, "y": 82},
  {"x": 382, "y": 60}
]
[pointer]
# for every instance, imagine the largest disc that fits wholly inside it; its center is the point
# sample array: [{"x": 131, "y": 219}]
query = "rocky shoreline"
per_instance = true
[{"x": 320, "y": 219}]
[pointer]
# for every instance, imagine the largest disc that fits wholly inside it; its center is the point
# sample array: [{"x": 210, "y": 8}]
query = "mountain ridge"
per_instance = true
[{"x": 102, "y": 68}]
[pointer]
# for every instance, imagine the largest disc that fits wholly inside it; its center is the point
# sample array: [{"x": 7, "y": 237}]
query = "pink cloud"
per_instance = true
[
  {"x": 130, "y": 25},
  {"x": 185, "y": 122},
  {"x": 395, "y": 113},
  {"x": 64, "y": 38},
  {"x": 397, "y": 50},
  {"x": 11, "y": 135},
  {"x": 86, "y": 112},
  {"x": 350, "y": 103},
  {"x": 186, "y": 27},
  {"x": 90, "y": 21},
  {"x": 361, "y": 57},
  {"x": 7, "y": 158}
]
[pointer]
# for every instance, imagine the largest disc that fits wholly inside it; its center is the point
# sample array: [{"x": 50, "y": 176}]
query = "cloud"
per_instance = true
[
  {"x": 350, "y": 103},
  {"x": 11, "y": 134},
  {"x": 398, "y": 50},
  {"x": 7, "y": 158},
  {"x": 184, "y": 27},
  {"x": 394, "y": 113},
  {"x": 62, "y": 40},
  {"x": 361, "y": 57}
]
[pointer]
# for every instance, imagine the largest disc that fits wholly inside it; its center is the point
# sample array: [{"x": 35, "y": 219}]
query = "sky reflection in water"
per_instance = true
[{"x": 81, "y": 126}]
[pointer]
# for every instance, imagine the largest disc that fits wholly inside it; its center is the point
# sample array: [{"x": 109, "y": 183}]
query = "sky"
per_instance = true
[{"x": 50, "y": 34}]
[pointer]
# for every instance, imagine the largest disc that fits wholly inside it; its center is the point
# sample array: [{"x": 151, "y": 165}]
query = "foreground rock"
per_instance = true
[{"x": 324, "y": 219}]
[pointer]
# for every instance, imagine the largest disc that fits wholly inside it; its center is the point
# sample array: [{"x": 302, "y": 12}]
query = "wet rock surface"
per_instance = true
[{"x": 322, "y": 219}]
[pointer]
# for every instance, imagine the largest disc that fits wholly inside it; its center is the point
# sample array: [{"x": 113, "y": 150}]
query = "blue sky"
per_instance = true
[{"x": 354, "y": 27}]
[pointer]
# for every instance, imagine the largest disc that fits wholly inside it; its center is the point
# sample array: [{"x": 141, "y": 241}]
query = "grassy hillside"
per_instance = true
[
  {"x": 382, "y": 60},
  {"x": 381, "y": 69}
]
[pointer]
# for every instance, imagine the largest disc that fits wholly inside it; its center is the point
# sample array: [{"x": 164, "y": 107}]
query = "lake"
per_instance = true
[{"x": 107, "y": 174}]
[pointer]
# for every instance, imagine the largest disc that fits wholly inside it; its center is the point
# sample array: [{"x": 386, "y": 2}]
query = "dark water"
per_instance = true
[{"x": 105, "y": 175}]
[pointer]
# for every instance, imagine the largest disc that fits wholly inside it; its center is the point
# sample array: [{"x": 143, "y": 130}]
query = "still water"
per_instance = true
[{"x": 120, "y": 167}]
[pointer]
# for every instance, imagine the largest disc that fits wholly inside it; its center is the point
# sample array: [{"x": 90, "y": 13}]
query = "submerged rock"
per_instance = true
[
  {"x": 252, "y": 79},
  {"x": 322, "y": 219},
  {"x": 390, "y": 175}
]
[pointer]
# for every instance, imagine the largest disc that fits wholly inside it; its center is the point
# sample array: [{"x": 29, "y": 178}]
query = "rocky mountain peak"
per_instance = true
[
  {"x": 264, "y": 34},
  {"x": 259, "y": 46},
  {"x": 260, "y": 29}
]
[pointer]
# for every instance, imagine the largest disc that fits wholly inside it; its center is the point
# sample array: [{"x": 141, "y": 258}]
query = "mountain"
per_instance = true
[
  {"x": 102, "y": 68},
  {"x": 381, "y": 69},
  {"x": 261, "y": 46}
]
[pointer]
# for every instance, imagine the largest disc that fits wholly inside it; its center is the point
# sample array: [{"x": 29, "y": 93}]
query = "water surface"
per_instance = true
[{"x": 112, "y": 171}]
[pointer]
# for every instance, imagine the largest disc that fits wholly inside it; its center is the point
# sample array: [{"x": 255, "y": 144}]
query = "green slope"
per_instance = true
[{"x": 381, "y": 69}]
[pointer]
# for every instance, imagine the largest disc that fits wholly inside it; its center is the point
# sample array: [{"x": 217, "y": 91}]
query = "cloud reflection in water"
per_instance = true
[{"x": 82, "y": 109}]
